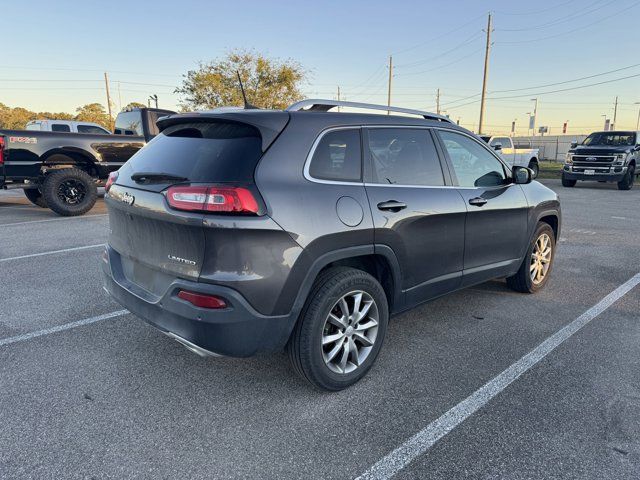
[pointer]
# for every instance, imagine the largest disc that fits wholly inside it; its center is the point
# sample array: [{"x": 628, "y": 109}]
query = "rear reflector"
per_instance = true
[
  {"x": 212, "y": 199},
  {"x": 113, "y": 176},
  {"x": 202, "y": 300}
]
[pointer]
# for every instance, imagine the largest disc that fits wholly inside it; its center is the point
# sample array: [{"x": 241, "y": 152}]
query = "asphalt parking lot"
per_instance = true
[{"x": 87, "y": 391}]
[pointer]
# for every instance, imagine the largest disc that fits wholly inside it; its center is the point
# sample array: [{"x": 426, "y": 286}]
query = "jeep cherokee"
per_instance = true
[{"x": 235, "y": 232}]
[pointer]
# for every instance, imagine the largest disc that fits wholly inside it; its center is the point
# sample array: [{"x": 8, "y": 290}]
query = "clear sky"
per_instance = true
[{"x": 54, "y": 53}]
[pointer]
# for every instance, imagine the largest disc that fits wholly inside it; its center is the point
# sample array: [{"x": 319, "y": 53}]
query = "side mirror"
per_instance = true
[
  {"x": 497, "y": 146},
  {"x": 574, "y": 144},
  {"x": 522, "y": 175}
]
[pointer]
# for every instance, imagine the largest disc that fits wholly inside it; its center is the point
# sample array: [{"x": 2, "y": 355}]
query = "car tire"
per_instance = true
[
  {"x": 568, "y": 183},
  {"x": 627, "y": 182},
  {"x": 526, "y": 280},
  {"x": 535, "y": 168},
  {"x": 69, "y": 192},
  {"x": 311, "y": 348},
  {"x": 35, "y": 196}
]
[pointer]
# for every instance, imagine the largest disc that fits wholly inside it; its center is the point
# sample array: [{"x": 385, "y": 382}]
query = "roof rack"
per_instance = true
[{"x": 318, "y": 105}]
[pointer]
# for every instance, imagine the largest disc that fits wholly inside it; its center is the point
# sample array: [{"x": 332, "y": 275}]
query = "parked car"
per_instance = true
[
  {"x": 605, "y": 157},
  {"x": 246, "y": 231},
  {"x": 513, "y": 154},
  {"x": 62, "y": 171},
  {"x": 66, "y": 126}
]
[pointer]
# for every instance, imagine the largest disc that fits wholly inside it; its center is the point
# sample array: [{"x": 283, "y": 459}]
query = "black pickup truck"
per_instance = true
[
  {"x": 605, "y": 157},
  {"x": 62, "y": 171}
]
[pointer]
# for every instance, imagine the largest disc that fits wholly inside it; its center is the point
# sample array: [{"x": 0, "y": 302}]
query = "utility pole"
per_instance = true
[
  {"x": 438, "y": 102},
  {"x": 338, "y": 96},
  {"x": 390, "y": 77},
  {"x": 615, "y": 113},
  {"x": 486, "y": 73},
  {"x": 119, "y": 98},
  {"x": 106, "y": 84},
  {"x": 535, "y": 116}
]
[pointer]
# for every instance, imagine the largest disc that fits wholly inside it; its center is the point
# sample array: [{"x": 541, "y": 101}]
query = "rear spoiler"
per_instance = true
[{"x": 268, "y": 122}]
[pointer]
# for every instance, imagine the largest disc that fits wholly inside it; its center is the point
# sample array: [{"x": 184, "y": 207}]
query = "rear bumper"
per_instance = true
[{"x": 236, "y": 331}]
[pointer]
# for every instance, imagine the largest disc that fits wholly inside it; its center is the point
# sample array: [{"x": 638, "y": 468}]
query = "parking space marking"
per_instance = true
[
  {"x": 53, "y": 220},
  {"x": 61, "y": 328},
  {"x": 422, "y": 441},
  {"x": 53, "y": 252}
]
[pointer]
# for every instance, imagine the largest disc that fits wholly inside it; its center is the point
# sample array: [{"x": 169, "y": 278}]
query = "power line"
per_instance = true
[
  {"x": 446, "y": 52},
  {"x": 537, "y": 11},
  {"x": 443, "y": 66},
  {"x": 558, "y": 21}
]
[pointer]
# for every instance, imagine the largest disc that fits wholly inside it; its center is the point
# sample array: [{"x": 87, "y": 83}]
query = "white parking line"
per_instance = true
[
  {"x": 53, "y": 252},
  {"x": 61, "y": 328},
  {"x": 52, "y": 220},
  {"x": 422, "y": 441}
]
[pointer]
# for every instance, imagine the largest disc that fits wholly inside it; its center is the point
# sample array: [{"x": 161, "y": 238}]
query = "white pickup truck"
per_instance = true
[{"x": 525, "y": 157}]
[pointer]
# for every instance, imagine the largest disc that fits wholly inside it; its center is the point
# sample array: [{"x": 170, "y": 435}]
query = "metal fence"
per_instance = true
[{"x": 552, "y": 147}]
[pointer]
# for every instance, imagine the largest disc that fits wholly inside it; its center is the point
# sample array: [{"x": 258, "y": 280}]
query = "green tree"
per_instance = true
[
  {"x": 134, "y": 105},
  {"x": 268, "y": 83},
  {"x": 93, "y": 112},
  {"x": 15, "y": 118}
]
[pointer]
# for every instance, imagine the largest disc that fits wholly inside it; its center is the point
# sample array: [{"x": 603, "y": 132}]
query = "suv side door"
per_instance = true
[
  {"x": 416, "y": 212},
  {"x": 496, "y": 225}
]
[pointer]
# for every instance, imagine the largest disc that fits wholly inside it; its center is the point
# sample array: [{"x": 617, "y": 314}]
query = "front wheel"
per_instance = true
[
  {"x": 534, "y": 272},
  {"x": 69, "y": 192},
  {"x": 627, "y": 182},
  {"x": 568, "y": 183},
  {"x": 341, "y": 329},
  {"x": 35, "y": 196}
]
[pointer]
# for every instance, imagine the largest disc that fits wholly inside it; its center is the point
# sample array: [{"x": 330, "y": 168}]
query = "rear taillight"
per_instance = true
[
  {"x": 213, "y": 199},
  {"x": 1, "y": 150},
  {"x": 202, "y": 300},
  {"x": 113, "y": 176}
]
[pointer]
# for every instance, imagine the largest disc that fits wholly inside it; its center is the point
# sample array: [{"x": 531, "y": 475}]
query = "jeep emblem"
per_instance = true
[{"x": 128, "y": 198}]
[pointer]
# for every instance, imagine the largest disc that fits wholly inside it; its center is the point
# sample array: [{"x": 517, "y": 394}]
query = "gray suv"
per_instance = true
[{"x": 235, "y": 232}]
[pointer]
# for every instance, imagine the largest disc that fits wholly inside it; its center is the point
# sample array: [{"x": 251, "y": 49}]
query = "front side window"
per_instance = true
[
  {"x": 60, "y": 127},
  {"x": 504, "y": 141},
  {"x": 473, "y": 165},
  {"x": 404, "y": 156},
  {"x": 338, "y": 157}
]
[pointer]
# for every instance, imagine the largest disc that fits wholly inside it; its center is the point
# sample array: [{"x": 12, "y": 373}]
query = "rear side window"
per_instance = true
[
  {"x": 129, "y": 123},
  {"x": 91, "y": 129},
  {"x": 338, "y": 156},
  {"x": 60, "y": 127},
  {"x": 404, "y": 156},
  {"x": 201, "y": 152}
]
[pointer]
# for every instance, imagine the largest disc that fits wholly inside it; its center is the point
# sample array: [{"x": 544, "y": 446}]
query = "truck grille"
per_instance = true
[{"x": 592, "y": 160}]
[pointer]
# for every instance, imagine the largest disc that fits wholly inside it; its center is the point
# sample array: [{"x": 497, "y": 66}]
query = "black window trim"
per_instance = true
[
  {"x": 444, "y": 167},
  {"x": 484, "y": 145},
  {"x": 307, "y": 163}
]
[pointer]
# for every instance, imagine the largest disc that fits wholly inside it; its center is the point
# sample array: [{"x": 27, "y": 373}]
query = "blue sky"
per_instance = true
[{"x": 54, "y": 53}]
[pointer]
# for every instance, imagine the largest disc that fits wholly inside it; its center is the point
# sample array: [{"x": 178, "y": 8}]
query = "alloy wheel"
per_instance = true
[
  {"x": 71, "y": 191},
  {"x": 350, "y": 332},
  {"x": 540, "y": 259}
]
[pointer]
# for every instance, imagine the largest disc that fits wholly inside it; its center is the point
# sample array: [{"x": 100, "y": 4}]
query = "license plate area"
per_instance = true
[{"x": 589, "y": 172}]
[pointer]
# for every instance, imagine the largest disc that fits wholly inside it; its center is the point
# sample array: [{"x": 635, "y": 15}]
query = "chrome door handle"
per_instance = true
[
  {"x": 478, "y": 201},
  {"x": 392, "y": 206}
]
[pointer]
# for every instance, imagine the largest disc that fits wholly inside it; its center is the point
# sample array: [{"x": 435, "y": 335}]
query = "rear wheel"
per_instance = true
[
  {"x": 341, "y": 329},
  {"x": 627, "y": 182},
  {"x": 568, "y": 183},
  {"x": 533, "y": 165},
  {"x": 35, "y": 196},
  {"x": 69, "y": 192},
  {"x": 534, "y": 272}
]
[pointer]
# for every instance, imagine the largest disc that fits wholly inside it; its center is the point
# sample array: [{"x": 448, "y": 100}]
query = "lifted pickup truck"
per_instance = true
[
  {"x": 513, "y": 155},
  {"x": 603, "y": 157},
  {"x": 62, "y": 171}
]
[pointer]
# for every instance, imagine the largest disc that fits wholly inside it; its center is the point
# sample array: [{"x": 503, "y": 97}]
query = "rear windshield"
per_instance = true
[{"x": 200, "y": 152}]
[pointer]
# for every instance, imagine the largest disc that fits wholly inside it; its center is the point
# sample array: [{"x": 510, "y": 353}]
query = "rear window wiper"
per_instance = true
[{"x": 153, "y": 177}]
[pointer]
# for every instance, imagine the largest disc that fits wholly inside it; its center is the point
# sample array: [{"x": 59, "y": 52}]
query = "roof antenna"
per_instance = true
[{"x": 247, "y": 105}]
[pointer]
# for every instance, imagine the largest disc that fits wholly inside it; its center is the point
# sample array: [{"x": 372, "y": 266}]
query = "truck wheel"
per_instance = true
[
  {"x": 627, "y": 182},
  {"x": 534, "y": 272},
  {"x": 533, "y": 165},
  {"x": 35, "y": 196},
  {"x": 69, "y": 192},
  {"x": 340, "y": 330},
  {"x": 568, "y": 183}
]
